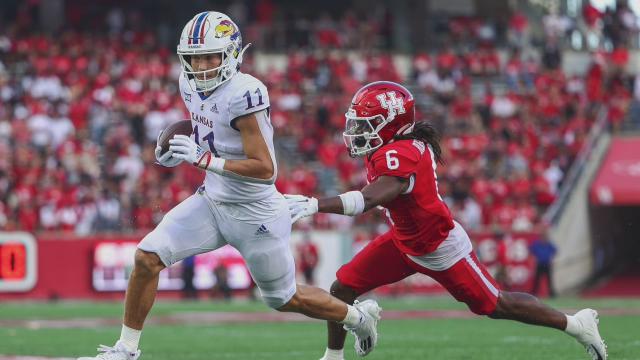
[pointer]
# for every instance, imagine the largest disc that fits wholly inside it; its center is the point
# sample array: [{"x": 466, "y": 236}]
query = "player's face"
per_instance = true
[{"x": 204, "y": 62}]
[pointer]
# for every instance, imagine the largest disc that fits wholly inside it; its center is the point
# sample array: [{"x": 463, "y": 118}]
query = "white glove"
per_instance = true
[
  {"x": 184, "y": 148},
  {"x": 301, "y": 206},
  {"x": 167, "y": 159}
]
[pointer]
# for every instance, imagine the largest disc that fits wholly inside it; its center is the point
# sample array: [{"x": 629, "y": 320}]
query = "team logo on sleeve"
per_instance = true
[{"x": 390, "y": 102}]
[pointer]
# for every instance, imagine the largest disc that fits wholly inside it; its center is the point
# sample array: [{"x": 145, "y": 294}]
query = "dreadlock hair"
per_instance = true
[{"x": 425, "y": 132}]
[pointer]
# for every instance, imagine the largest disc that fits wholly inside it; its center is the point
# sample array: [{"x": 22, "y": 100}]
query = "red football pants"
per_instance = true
[{"x": 381, "y": 263}]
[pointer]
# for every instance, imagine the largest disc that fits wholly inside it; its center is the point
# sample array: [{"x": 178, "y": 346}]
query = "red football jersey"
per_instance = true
[{"x": 420, "y": 219}]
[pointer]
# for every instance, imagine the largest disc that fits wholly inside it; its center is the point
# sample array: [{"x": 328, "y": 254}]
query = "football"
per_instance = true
[{"x": 182, "y": 127}]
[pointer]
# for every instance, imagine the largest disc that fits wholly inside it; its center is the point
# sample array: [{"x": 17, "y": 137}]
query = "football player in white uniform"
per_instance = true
[{"x": 232, "y": 141}]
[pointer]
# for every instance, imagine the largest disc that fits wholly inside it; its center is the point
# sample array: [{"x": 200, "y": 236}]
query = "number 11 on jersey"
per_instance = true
[{"x": 209, "y": 138}]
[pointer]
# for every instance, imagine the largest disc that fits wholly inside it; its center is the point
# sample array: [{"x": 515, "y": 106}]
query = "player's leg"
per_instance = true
[
  {"x": 526, "y": 308},
  {"x": 336, "y": 334},
  {"x": 186, "y": 230},
  {"x": 142, "y": 288},
  {"x": 379, "y": 263},
  {"x": 358, "y": 318},
  {"x": 265, "y": 247},
  {"x": 470, "y": 282}
]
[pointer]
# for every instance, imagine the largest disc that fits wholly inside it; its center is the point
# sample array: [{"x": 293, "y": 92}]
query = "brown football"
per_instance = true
[{"x": 182, "y": 127}]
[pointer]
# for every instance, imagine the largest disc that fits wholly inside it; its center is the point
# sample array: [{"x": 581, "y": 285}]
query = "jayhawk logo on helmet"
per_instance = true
[{"x": 225, "y": 28}]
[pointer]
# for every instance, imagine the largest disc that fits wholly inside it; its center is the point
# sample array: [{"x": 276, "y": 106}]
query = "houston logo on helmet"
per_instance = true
[{"x": 390, "y": 102}]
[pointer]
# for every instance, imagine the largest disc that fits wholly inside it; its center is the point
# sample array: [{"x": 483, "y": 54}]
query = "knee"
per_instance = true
[
  {"x": 282, "y": 300},
  {"x": 280, "y": 303},
  {"x": 148, "y": 262},
  {"x": 343, "y": 292},
  {"x": 296, "y": 303},
  {"x": 509, "y": 303}
]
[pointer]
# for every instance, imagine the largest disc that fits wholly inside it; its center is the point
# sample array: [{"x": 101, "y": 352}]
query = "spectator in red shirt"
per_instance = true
[
  {"x": 307, "y": 258},
  {"x": 518, "y": 32}
]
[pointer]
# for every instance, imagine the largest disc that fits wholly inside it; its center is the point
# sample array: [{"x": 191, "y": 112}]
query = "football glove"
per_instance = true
[
  {"x": 301, "y": 206},
  {"x": 184, "y": 148},
  {"x": 167, "y": 159}
]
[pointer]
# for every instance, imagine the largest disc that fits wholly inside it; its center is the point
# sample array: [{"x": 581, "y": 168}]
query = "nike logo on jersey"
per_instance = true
[{"x": 202, "y": 120}]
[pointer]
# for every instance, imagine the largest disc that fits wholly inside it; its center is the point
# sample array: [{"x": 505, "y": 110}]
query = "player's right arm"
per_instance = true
[
  {"x": 394, "y": 169},
  {"x": 352, "y": 203},
  {"x": 379, "y": 192}
]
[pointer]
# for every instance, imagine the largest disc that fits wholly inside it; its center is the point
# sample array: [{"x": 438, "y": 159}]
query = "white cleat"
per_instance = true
[
  {"x": 366, "y": 332},
  {"x": 590, "y": 336},
  {"x": 117, "y": 352}
]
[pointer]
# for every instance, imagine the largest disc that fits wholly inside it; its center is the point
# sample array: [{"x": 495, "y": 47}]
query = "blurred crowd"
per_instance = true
[{"x": 79, "y": 116}]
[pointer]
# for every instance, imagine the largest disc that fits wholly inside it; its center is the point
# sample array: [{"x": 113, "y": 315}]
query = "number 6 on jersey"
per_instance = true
[{"x": 392, "y": 161}]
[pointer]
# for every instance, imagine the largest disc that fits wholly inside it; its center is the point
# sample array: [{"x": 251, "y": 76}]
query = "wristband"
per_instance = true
[
  {"x": 352, "y": 203},
  {"x": 211, "y": 163}
]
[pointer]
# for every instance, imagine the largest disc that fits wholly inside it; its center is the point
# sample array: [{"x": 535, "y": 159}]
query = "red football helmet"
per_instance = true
[{"x": 378, "y": 112}]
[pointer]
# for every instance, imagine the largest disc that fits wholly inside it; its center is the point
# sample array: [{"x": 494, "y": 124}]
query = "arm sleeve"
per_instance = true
[
  {"x": 399, "y": 161},
  {"x": 249, "y": 98}
]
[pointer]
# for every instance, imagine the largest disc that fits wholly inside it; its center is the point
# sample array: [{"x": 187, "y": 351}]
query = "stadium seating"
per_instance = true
[{"x": 80, "y": 108}]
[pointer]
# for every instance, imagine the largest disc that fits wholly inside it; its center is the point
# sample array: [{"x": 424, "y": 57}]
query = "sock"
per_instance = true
[
  {"x": 130, "y": 338},
  {"x": 574, "y": 328},
  {"x": 353, "y": 318},
  {"x": 331, "y": 354}
]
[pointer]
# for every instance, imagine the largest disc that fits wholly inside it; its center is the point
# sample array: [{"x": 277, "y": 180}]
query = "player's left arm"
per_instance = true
[{"x": 259, "y": 165}]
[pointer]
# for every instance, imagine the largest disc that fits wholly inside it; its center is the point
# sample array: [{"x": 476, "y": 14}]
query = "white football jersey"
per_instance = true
[{"x": 213, "y": 129}]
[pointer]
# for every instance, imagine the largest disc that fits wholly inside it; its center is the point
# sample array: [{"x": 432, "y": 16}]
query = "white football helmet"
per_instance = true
[{"x": 211, "y": 32}]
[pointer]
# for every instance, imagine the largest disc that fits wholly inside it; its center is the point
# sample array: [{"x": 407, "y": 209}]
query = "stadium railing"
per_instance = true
[{"x": 552, "y": 215}]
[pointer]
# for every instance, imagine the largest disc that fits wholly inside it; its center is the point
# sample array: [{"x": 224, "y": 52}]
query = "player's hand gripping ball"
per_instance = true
[
  {"x": 163, "y": 155},
  {"x": 184, "y": 148}
]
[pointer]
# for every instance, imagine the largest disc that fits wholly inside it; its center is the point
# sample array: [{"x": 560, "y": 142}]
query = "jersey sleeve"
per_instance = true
[
  {"x": 397, "y": 159},
  {"x": 251, "y": 96},
  {"x": 185, "y": 90}
]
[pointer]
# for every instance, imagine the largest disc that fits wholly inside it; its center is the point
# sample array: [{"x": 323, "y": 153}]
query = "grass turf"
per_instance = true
[{"x": 473, "y": 338}]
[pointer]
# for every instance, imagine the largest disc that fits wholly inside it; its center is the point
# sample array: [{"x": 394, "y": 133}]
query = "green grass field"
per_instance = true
[{"x": 435, "y": 338}]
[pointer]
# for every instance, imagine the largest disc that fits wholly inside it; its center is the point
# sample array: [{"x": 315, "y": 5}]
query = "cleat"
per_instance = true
[
  {"x": 366, "y": 332},
  {"x": 590, "y": 336},
  {"x": 117, "y": 352}
]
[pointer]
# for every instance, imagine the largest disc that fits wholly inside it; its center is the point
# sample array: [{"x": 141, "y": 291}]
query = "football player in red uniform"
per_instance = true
[{"x": 401, "y": 157}]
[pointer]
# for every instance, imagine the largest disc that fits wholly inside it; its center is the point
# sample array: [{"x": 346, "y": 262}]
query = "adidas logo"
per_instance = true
[{"x": 262, "y": 230}]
